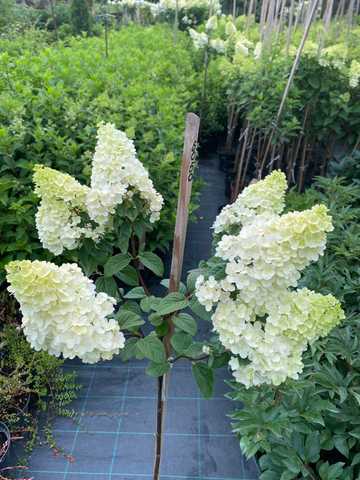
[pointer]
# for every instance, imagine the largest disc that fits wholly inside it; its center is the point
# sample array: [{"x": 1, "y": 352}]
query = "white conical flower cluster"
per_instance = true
[
  {"x": 257, "y": 316},
  {"x": 69, "y": 211},
  {"x": 62, "y": 313},
  {"x": 118, "y": 174},
  {"x": 61, "y": 219}
]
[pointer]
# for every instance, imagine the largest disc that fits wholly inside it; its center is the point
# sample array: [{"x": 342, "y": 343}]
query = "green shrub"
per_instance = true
[
  {"x": 310, "y": 428},
  {"x": 81, "y": 16},
  {"x": 51, "y": 103}
]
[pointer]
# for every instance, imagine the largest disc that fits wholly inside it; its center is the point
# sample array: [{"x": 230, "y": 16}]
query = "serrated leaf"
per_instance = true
[
  {"x": 171, "y": 303},
  {"x": 152, "y": 262},
  {"x": 312, "y": 447},
  {"x": 181, "y": 341},
  {"x": 128, "y": 319},
  {"x": 129, "y": 349},
  {"x": 129, "y": 276},
  {"x": 341, "y": 445},
  {"x": 135, "y": 293},
  {"x": 132, "y": 306},
  {"x": 195, "y": 350},
  {"x": 116, "y": 263},
  {"x": 204, "y": 377},
  {"x": 149, "y": 303},
  {"x": 156, "y": 319},
  {"x": 152, "y": 348},
  {"x": 157, "y": 369},
  {"x": 107, "y": 285},
  {"x": 186, "y": 323},
  {"x": 124, "y": 234}
]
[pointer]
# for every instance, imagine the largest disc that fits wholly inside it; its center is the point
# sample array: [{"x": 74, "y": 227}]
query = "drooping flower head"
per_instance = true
[
  {"x": 62, "y": 313},
  {"x": 62, "y": 210},
  {"x": 116, "y": 175}
]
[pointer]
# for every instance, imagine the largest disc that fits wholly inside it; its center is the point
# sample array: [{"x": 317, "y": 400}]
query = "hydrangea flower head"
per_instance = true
[
  {"x": 354, "y": 74},
  {"x": 259, "y": 318},
  {"x": 200, "y": 39},
  {"x": 116, "y": 175},
  {"x": 62, "y": 313},
  {"x": 264, "y": 197},
  {"x": 60, "y": 216}
]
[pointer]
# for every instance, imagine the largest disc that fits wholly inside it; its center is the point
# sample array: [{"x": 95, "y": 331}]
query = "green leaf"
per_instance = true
[
  {"x": 152, "y": 348},
  {"x": 166, "y": 283},
  {"x": 136, "y": 293},
  {"x": 288, "y": 475},
  {"x": 152, "y": 262},
  {"x": 149, "y": 303},
  {"x": 116, "y": 263},
  {"x": 156, "y": 319},
  {"x": 191, "y": 279},
  {"x": 124, "y": 234},
  {"x": 128, "y": 319},
  {"x": 129, "y": 276},
  {"x": 132, "y": 306},
  {"x": 269, "y": 475},
  {"x": 199, "y": 310},
  {"x": 195, "y": 350},
  {"x": 129, "y": 351},
  {"x": 312, "y": 447},
  {"x": 107, "y": 285},
  {"x": 87, "y": 262},
  {"x": 181, "y": 341},
  {"x": 185, "y": 322},
  {"x": 204, "y": 377},
  {"x": 172, "y": 303},
  {"x": 341, "y": 445},
  {"x": 157, "y": 369}
]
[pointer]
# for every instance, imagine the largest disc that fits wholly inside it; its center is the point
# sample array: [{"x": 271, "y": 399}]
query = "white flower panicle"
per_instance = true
[
  {"x": 62, "y": 313},
  {"x": 265, "y": 197},
  {"x": 354, "y": 74},
  {"x": 218, "y": 45},
  {"x": 211, "y": 23},
  {"x": 60, "y": 216},
  {"x": 334, "y": 56},
  {"x": 257, "y": 317},
  {"x": 116, "y": 175},
  {"x": 200, "y": 40}
]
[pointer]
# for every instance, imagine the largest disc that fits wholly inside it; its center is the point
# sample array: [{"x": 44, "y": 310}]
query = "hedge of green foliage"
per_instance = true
[
  {"x": 52, "y": 101},
  {"x": 310, "y": 428}
]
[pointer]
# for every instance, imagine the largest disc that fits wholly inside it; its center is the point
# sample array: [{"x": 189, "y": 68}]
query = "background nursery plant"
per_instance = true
[
  {"x": 146, "y": 87},
  {"x": 259, "y": 253}
]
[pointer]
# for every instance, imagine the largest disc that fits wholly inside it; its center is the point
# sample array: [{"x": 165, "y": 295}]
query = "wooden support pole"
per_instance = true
[{"x": 188, "y": 165}]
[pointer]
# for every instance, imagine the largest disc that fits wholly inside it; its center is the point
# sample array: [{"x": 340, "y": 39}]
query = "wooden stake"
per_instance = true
[{"x": 188, "y": 165}]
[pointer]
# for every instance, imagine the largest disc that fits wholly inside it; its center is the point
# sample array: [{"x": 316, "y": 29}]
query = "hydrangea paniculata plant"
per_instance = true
[{"x": 259, "y": 316}]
